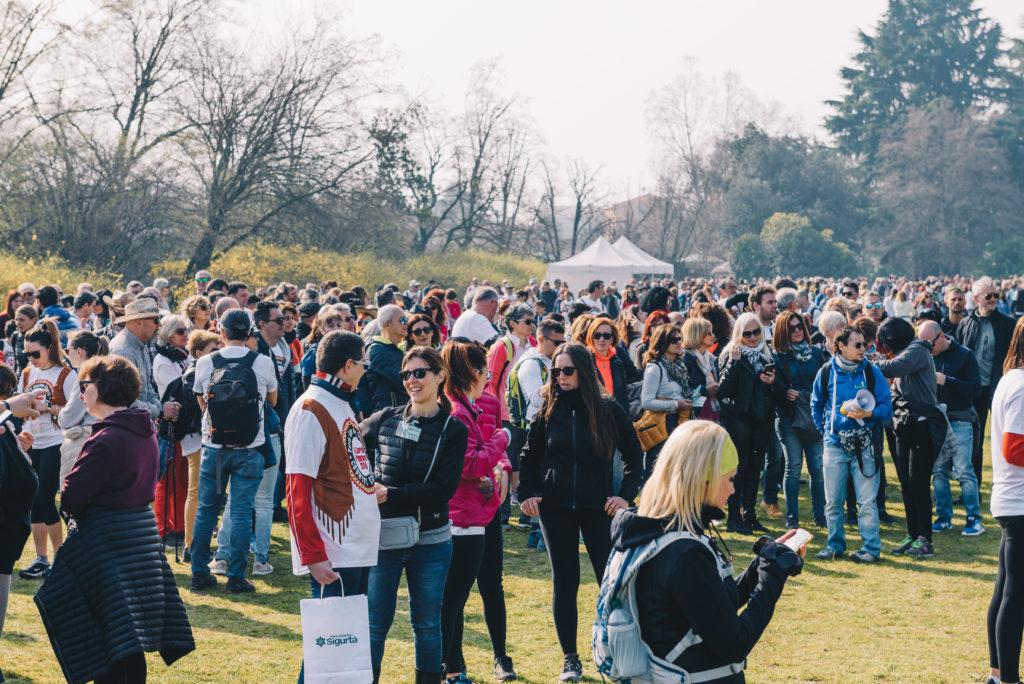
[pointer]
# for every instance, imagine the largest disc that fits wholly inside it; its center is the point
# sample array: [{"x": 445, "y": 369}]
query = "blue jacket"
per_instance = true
[
  {"x": 65, "y": 321},
  {"x": 828, "y": 421}
]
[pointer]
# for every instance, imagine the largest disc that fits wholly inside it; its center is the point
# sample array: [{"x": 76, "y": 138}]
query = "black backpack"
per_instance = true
[
  {"x": 233, "y": 400},
  {"x": 190, "y": 417}
]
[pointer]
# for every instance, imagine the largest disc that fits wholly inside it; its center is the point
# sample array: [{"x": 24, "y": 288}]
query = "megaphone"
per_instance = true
[{"x": 864, "y": 400}]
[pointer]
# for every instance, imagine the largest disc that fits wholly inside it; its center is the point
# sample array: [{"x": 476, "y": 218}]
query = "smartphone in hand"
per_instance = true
[{"x": 798, "y": 539}]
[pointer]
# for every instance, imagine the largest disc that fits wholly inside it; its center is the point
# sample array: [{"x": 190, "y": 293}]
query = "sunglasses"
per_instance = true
[
  {"x": 849, "y": 293},
  {"x": 756, "y": 332},
  {"x": 555, "y": 342},
  {"x": 203, "y": 307},
  {"x": 603, "y": 336},
  {"x": 364, "y": 363},
  {"x": 796, "y": 327},
  {"x": 34, "y": 354},
  {"x": 873, "y": 305},
  {"x": 422, "y": 331},
  {"x": 181, "y": 331},
  {"x": 857, "y": 345},
  {"x": 202, "y": 280},
  {"x": 482, "y": 371},
  {"x": 675, "y": 340},
  {"x": 347, "y": 319},
  {"x": 403, "y": 320},
  {"x": 82, "y": 384},
  {"x": 527, "y": 321},
  {"x": 419, "y": 373},
  {"x": 279, "y": 320},
  {"x": 991, "y": 295},
  {"x": 567, "y": 371}
]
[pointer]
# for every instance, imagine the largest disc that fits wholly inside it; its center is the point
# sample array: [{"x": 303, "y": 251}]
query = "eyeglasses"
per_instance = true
[
  {"x": 364, "y": 363},
  {"x": 419, "y": 373},
  {"x": 82, "y": 384},
  {"x": 483, "y": 371},
  {"x": 756, "y": 332},
  {"x": 603, "y": 336},
  {"x": 873, "y": 305},
  {"x": 675, "y": 340},
  {"x": 422, "y": 331},
  {"x": 34, "y": 354},
  {"x": 566, "y": 370},
  {"x": 181, "y": 331}
]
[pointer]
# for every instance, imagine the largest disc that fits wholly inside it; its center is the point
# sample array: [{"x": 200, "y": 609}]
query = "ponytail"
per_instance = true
[
  {"x": 90, "y": 342},
  {"x": 45, "y": 334}
]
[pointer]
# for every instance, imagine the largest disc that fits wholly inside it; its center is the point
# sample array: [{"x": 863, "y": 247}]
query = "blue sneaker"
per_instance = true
[
  {"x": 973, "y": 528},
  {"x": 941, "y": 525}
]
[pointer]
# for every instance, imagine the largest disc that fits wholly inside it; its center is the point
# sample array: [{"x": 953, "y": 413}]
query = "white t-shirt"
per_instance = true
[
  {"x": 45, "y": 428},
  {"x": 475, "y": 326},
  {"x": 1007, "y": 417},
  {"x": 266, "y": 381},
  {"x": 348, "y": 519},
  {"x": 595, "y": 305}
]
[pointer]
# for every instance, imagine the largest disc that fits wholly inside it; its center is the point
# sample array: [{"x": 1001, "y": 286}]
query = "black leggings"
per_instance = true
[
  {"x": 915, "y": 457},
  {"x": 1006, "y": 611},
  {"x": 982, "y": 404},
  {"x": 561, "y": 529},
  {"x": 475, "y": 558},
  {"x": 751, "y": 439},
  {"x": 130, "y": 670},
  {"x": 46, "y": 463}
]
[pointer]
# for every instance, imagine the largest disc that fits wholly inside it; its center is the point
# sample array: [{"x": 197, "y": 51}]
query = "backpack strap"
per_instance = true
[{"x": 59, "y": 398}]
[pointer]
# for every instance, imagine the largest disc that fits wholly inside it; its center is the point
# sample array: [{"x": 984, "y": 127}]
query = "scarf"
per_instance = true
[
  {"x": 176, "y": 355},
  {"x": 847, "y": 365},
  {"x": 802, "y": 351},
  {"x": 754, "y": 356},
  {"x": 337, "y": 387},
  {"x": 604, "y": 369},
  {"x": 677, "y": 371},
  {"x": 707, "y": 363}
]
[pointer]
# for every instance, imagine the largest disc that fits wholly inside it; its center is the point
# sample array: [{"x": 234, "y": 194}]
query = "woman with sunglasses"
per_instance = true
[
  {"x": 25, "y": 318},
  {"x": 171, "y": 361},
  {"x": 798, "y": 362},
  {"x": 326, "y": 322},
  {"x": 418, "y": 451},
  {"x": 850, "y": 444},
  {"x": 422, "y": 331},
  {"x": 434, "y": 309},
  {"x": 701, "y": 367},
  {"x": 74, "y": 418},
  {"x": 666, "y": 385},
  {"x": 197, "y": 310},
  {"x": 476, "y": 523},
  {"x": 566, "y": 479},
  {"x": 748, "y": 414},
  {"x": 614, "y": 368},
  {"x": 47, "y": 370}
]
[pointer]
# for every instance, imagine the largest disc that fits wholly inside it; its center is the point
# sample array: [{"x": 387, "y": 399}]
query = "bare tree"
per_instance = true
[
  {"x": 20, "y": 47},
  {"x": 512, "y": 166},
  {"x": 268, "y": 141}
]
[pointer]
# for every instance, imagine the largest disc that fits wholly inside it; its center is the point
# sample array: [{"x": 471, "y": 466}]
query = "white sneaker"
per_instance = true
[
  {"x": 219, "y": 567},
  {"x": 262, "y": 568}
]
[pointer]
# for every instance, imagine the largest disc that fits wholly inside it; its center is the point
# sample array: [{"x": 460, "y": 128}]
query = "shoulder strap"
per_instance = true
[
  {"x": 437, "y": 448},
  {"x": 59, "y": 398},
  {"x": 24, "y": 376}
]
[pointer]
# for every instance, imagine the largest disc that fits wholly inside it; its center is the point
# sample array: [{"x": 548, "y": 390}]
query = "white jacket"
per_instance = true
[{"x": 530, "y": 379}]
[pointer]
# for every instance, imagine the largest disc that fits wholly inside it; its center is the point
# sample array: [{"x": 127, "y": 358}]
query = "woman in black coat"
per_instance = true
[
  {"x": 565, "y": 477},
  {"x": 748, "y": 414}
]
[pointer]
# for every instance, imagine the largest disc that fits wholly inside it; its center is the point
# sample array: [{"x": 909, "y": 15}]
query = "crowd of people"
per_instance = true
[{"x": 404, "y": 432}]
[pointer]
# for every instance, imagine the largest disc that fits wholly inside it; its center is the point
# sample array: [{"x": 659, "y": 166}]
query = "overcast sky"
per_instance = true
[{"x": 584, "y": 70}]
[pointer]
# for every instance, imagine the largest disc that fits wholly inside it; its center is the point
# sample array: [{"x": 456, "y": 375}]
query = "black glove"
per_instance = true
[{"x": 788, "y": 561}]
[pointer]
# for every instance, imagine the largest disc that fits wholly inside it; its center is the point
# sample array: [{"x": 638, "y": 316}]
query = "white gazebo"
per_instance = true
[
  {"x": 644, "y": 263},
  {"x": 599, "y": 261}
]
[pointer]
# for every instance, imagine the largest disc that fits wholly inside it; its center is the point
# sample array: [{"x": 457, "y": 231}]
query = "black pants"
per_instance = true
[
  {"x": 562, "y": 529},
  {"x": 46, "y": 463},
  {"x": 1006, "y": 611},
  {"x": 915, "y": 457},
  {"x": 982, "y": 404},
  {"x": 750, "y": 436},
  {"x": 651, "y": 455},
  {"x": 130, "y": 670},
  {"x": 475, "y": 558}
]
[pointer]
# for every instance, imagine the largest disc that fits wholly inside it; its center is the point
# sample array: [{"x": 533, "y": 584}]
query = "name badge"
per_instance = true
[{"x": 409, "y": 431}]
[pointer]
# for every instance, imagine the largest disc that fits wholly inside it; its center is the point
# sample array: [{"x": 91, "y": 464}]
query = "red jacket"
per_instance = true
[{"x": 469, "y": 507}]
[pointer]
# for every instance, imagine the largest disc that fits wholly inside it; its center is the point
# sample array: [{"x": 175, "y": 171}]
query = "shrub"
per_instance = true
[{"x": 15, "y": 270}]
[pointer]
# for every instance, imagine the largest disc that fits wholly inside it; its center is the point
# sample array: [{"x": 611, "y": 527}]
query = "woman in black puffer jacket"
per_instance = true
[
  {"x": 418, "y": 452},
  {"x": 748, "y": 414},
  {"x": 565, "y": 477}
]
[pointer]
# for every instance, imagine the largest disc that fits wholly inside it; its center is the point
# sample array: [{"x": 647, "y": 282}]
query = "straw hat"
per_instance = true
[
  {"x": 139, "y": 308},
  {"x": 119, "y": 300}
]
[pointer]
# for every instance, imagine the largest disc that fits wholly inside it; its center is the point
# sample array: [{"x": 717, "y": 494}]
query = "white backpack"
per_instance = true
[{"x": 620, "y": 652}]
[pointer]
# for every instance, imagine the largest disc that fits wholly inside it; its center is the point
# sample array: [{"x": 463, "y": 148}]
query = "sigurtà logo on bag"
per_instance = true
[{"x": 337, "y": 640}]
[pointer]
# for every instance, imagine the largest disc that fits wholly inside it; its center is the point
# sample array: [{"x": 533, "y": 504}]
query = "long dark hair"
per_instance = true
[
  {"x": 434, "y": 360},
  {"x": 465, "y": 361},
  {"x": 659, "y": 342},
  {"x": 435, "y": 332},
  {"x": 592, "y": 393},
  {"x": 782, "y": 341}
]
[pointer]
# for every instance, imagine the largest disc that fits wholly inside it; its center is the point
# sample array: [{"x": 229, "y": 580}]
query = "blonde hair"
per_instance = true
[
  {"x": 679, "y": 484},
  {"x": 739, "y": 326},
  {"x": 695, "y": 329}
]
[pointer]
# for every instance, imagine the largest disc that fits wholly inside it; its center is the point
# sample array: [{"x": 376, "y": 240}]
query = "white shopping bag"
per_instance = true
[{"x": 336, "y": 640}]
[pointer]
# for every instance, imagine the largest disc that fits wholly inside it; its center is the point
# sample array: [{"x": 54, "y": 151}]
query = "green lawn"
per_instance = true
[{"x": 899, "y": 621}]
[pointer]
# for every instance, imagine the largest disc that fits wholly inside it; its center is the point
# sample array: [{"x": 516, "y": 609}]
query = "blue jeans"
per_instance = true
[
  {"x": 264, "y": 505},
  {"x": 796, "y": 450},
  {"x": 772, "y": 470},
  {"x": 244, "y": 468},
  {"x": 352, "y": 583},
  {"x": 838, "y": 465},
  {"x": 426, "y": 569},
  {"x": 963, "y": 471}
]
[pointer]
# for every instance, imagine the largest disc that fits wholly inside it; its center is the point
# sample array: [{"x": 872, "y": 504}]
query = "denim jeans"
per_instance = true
[
  {"x": 963, "y": 471},
  {"x": 838, "y": 465},
  {"x": 773, "y": 465},
  {"x": 264, "y": 505},
  {"x": 796, "y": 450},
  {"x": 352, "y": 582},
  {"x": 243, "y": 468},
  {"x": 426, "y": 569}
]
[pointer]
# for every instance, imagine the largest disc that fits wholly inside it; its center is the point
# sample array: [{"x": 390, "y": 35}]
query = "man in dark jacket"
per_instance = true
[
  {"x": 956, "y": 306},
  {"x": 382, "y": 387},
  {"x": 956, "y": 372},
  {"x": 986, "y": 332}
]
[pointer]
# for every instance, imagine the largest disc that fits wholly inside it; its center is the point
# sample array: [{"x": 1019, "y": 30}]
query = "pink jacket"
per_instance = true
[{"x": 469, "y": 507}]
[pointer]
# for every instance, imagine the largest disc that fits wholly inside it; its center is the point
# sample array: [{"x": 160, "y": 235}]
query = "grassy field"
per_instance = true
[{"x": 898, "y": 621}]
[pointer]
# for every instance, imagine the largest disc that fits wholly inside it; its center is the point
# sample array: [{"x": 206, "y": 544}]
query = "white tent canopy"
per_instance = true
[
  {"x": 599, "y": 261},
  {"x": 644, "y": 263}
]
